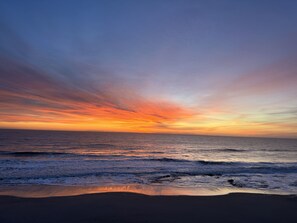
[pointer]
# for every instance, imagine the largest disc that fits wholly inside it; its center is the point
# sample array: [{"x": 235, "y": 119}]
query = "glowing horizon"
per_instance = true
[{"x": 185, "y": 67}]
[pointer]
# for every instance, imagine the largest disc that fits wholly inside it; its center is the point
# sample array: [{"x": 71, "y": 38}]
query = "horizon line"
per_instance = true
[{"x": 152, "y": 133}]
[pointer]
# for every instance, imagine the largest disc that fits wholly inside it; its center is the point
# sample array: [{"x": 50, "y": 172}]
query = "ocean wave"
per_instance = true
[
  {"x": 100, "y": 145},
  {"x": 6, "y": 153},
  {"x": 164, "y": 159},
  {"x": 138, "y": 170},
  {"x": 224, "y": 150},
  {"x": 57, "y": 154},
  {"x": 103, "y": 156},
  {"x": 134, "y": 160},
  {"x": 203, "y": 162},
  {"x": 232, "y": 150}
]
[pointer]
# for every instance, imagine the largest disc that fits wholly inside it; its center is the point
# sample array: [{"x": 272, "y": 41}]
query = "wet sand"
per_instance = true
[{"x": 131, "y": 207}]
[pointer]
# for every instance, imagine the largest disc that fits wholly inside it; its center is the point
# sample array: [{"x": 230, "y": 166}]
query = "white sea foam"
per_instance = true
[{"x": 96, "y": 159}]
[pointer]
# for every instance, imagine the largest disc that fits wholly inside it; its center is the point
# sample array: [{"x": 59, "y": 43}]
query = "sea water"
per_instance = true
[{"x": 189, "y": 162}]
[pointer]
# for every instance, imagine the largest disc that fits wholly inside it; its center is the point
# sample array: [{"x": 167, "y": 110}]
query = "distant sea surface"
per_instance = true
[{"x": 179, "y": 161}]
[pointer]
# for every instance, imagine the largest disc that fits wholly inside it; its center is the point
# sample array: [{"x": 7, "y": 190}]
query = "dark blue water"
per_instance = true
[{"x": 184, "y": 161}]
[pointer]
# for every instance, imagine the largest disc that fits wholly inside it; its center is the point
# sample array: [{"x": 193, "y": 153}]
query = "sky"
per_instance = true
[{"x": 164, "y": 66}]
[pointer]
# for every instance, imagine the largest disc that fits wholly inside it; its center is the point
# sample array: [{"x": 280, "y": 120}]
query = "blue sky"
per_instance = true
[{"x": 214, "y": 60}]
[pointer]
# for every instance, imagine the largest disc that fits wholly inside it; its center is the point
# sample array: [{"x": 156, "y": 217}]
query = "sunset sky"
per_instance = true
[{"x": 191, "y": 67}]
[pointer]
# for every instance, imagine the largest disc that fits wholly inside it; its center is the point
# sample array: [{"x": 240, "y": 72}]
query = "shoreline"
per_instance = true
[
  {"x": 132, "y": 207},
  {"x": 44, "y": 191}
]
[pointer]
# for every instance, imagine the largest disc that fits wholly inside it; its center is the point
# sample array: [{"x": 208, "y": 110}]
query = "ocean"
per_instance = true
[{"x": 186, "y": 162}]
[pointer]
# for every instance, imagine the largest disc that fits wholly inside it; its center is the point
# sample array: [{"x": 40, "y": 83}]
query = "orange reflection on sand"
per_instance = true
[{"x": 54, "y": 191}]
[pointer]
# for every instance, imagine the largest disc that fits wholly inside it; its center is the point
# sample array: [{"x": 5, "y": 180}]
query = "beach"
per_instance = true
[
  {"x": 132, "y": 207},
  {"x": 53, "y": 177},
  {"x": 172, "y": 111}
]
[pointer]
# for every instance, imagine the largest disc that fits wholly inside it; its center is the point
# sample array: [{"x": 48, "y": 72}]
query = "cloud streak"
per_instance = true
[
  {"x": 196, "y": 68},
  {"x": 27, "y": 94}
]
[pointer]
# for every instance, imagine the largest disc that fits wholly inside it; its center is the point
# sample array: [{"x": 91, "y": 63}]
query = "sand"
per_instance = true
[{"x": 130, "y": 207}]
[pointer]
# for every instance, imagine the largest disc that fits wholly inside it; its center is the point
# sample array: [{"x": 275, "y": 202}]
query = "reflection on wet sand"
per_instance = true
[{"x": 53, "y": 190}]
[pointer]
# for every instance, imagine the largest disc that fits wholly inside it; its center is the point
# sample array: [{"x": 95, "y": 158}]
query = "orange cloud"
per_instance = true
[{"x": 30, "y": 97}]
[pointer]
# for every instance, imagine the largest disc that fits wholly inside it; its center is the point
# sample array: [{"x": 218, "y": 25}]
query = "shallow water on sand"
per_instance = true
[{"x": 118, "y": 160}]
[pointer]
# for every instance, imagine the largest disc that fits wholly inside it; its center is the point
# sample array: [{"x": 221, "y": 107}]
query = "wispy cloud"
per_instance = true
[
  {"x": 29, "y": 94},
  {"x": 199, "y": 68}
]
